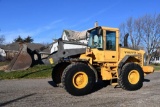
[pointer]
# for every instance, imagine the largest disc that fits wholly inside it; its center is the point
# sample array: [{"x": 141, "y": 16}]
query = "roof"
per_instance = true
[
  {"x": 15, "y": 47},
  {"x": 75, "y": 35},
  {"x": 109, "y": 28},
  {"x": 79, "y": 35}
]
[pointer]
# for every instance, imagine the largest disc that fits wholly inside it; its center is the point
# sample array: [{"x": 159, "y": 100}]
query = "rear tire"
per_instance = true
[
  {"x": 78, "y": 79},
  {"x": 57, "y": 73},
  {"x": 131, "y": 77}
]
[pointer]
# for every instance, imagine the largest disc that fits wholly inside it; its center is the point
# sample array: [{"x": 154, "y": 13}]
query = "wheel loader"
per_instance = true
[
  {"x": 77, "y": 70},
  {"x": 104, "y": 59}
]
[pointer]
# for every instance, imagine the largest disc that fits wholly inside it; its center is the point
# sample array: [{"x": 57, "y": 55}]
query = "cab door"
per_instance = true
[{"x": 111, "y": 45}]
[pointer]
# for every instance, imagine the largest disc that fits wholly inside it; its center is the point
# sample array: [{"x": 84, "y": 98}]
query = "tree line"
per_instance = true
[{"x": 28, "y": 39}]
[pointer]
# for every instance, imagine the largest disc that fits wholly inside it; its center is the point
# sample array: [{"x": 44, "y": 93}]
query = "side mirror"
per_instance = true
[{"x": 87, "y": 35}]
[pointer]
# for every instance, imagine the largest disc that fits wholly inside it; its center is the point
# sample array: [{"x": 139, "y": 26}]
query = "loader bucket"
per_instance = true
[{"x": 21, "y": 61}]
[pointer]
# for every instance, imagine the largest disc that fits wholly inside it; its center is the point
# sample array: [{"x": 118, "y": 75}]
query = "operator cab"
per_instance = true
[
  {"x": 96, "y": 39},
  {"x": 103, "y": 41}
]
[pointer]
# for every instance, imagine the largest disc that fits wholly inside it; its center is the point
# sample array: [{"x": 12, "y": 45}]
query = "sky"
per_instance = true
[{"x": 45, "y": 20}]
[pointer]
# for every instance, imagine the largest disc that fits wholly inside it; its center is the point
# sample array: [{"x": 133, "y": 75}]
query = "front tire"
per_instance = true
[
  {"x": 78, "y": 79},
  {"x": 131, "y": 77}
]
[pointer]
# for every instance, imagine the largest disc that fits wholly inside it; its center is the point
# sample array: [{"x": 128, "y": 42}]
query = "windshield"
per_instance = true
[{"x": 95, "y": 40}]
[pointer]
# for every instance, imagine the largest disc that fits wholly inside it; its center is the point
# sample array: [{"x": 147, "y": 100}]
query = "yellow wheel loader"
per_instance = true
[
  {"x": 104, "y": 59},
  {"x": 77, "y": 70}
]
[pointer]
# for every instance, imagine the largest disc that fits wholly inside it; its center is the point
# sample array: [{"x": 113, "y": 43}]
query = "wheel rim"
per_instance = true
[
  {"x": 80, "y": 80},
  {"x": 133, "y": 76}
]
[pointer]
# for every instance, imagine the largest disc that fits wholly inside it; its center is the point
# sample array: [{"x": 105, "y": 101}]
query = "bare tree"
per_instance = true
[
  {"x": 133, "y": 28},
  {"x": 151, "y": 34},
  {"x": 122, "y": 28},
  {"x": 2, "y": 39},
  {"x": 143, "y": 32},
  {"x": 129, "y": 27},
  {"x": 137, "y": 32}
]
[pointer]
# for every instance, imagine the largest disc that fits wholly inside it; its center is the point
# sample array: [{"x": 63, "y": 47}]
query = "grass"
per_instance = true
[
  {"x": 156, "y": 67},
  {"x": 38, "y": 71}
]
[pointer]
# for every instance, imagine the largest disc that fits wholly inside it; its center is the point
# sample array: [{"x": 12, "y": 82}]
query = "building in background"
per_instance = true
[
  {"x": 2, "y": 55},
  {"x": 156, "y": 57},
  {"x": 10, "y": 50},
  {"x": 79, "y": 38}
]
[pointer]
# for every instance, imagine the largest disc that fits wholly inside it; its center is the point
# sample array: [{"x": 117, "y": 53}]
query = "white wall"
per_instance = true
[
  {"x": 2, "y": 52},
  {"x": 156, "y": 60},
  {"x": 2, "y": 55},
  {"x": 64, "y": 37},
  {"x": 73, "y": 46},
  {"x": 84, "y": 41},
  {"x": 54, "y": 47}
]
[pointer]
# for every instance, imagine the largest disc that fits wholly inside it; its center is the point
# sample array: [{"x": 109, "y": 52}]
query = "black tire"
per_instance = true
[
  {"x": 69, "y": 75},
  {"x": 57, "y": 72},
  {"x": 124, "y": 78}
]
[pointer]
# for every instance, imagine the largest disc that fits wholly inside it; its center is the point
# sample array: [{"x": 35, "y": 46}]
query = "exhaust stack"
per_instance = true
[
  {"x": 96, "y": 24},
  {"x": 125, "y": 40}
]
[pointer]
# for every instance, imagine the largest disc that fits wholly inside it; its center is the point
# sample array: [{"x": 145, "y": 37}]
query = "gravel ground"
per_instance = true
[{"x": 41, "y": 93}]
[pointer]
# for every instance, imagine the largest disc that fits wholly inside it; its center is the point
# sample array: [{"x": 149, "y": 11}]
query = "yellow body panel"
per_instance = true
[
  {"x": 148, "y": 69},
  {"x": 98, "y": 55},
  {"x": 110, "y": 56},
  {"x": 106, "y": 74},
  {"x": 131, "y": 52}
]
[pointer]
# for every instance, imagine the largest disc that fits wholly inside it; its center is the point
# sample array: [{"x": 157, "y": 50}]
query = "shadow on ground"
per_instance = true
[
  {"x": 146, "y": 80},
  {"x": 98, "y": 86},
  {"x": 33, "y": 72},
  {"x": 14, "y": 100},
  {"x": 52, "y": 84}
]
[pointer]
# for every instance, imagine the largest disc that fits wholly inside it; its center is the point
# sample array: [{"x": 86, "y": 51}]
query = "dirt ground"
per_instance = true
[
  {"x": 3, "y": 67},
  {"x": 41, "y": 93}
]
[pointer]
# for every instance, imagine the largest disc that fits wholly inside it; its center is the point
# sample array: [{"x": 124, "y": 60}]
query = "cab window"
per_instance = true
[
  {"x": 111, "y": 40},
  {"x": 95, "y": 40}
]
